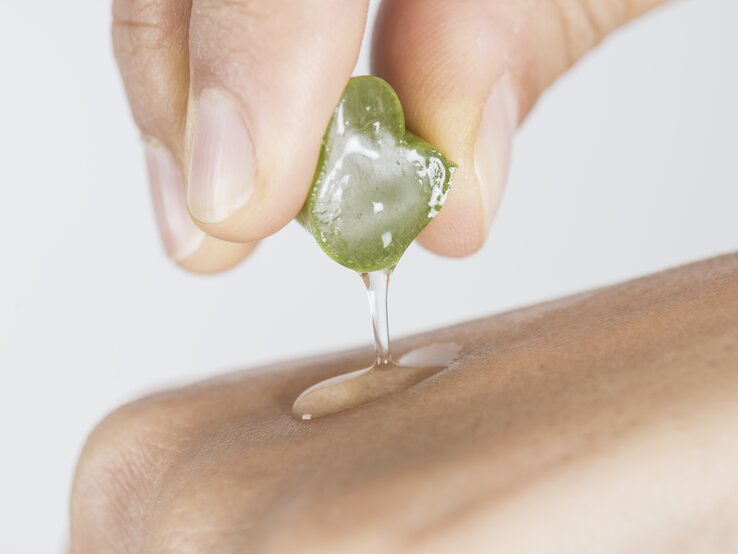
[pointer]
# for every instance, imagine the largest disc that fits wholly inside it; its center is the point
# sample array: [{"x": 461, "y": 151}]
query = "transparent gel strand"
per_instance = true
[
  {"x": 385, "y": 376},
  {"x": 377, "y": 285}
]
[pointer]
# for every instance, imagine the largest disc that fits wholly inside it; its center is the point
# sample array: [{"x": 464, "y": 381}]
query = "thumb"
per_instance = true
[{"x": 467, "y": 73}]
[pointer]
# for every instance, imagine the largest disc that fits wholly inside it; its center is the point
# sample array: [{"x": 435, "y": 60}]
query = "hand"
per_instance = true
[
  {"x": 232, "y": 97},
  {"x": 604, "y": 422}
]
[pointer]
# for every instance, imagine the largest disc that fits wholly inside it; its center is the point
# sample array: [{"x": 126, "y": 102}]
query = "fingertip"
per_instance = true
[
  {"x": 263, "y": 213},
  {"x": 215, "y": 256},
  {"x": 459, "y": 229},
  {"x": 186, "y": 244}
]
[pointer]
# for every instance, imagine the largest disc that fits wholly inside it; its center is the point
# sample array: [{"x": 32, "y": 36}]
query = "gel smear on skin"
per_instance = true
[{"x": 384, "y": 376}]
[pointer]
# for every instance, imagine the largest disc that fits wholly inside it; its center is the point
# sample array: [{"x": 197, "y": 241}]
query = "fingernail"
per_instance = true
[
  {"x": 179, "y": 234},
  {"x": 221, "y": 177},
  {"x": 494, "y": 143}
]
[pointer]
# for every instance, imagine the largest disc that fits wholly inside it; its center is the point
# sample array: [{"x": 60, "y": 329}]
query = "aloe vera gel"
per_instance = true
[{"x": 375, "y": 188}]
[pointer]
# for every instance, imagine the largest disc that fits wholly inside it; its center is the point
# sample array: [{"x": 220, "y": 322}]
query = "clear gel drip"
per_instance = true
[
  {"x": 377, "y": 284},
  {"x": 385, "y": 376}
]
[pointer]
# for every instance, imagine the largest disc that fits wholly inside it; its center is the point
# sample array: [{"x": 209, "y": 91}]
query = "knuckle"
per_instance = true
[
  {"x": 150, "y": 46},
  {"x": 116, "y": 476},
  {"x": 146, "y": 24}
]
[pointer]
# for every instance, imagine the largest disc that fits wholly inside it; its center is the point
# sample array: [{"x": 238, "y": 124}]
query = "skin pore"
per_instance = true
[{"x": 604, "y": 418}]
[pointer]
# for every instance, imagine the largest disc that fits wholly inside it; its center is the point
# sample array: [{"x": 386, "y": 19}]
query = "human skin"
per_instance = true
[
  {"x": 232, "y": 98},
  {"x": 604, "y": 422}
]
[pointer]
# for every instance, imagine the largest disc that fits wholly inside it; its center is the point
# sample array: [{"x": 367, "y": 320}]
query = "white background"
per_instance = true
[{"x": 627, "y": 165}]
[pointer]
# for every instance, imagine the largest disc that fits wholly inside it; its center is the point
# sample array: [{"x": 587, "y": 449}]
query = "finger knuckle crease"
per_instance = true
[
  {"x": 584, "y": 23},
  {"x": 148, "y": 23}
]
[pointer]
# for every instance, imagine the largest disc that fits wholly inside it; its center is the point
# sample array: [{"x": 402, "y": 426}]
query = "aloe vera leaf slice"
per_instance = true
[{"x": 376, "y": 185}]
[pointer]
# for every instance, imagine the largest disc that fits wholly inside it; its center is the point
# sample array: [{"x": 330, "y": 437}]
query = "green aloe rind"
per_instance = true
[{"x": 376, "y": 185}]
